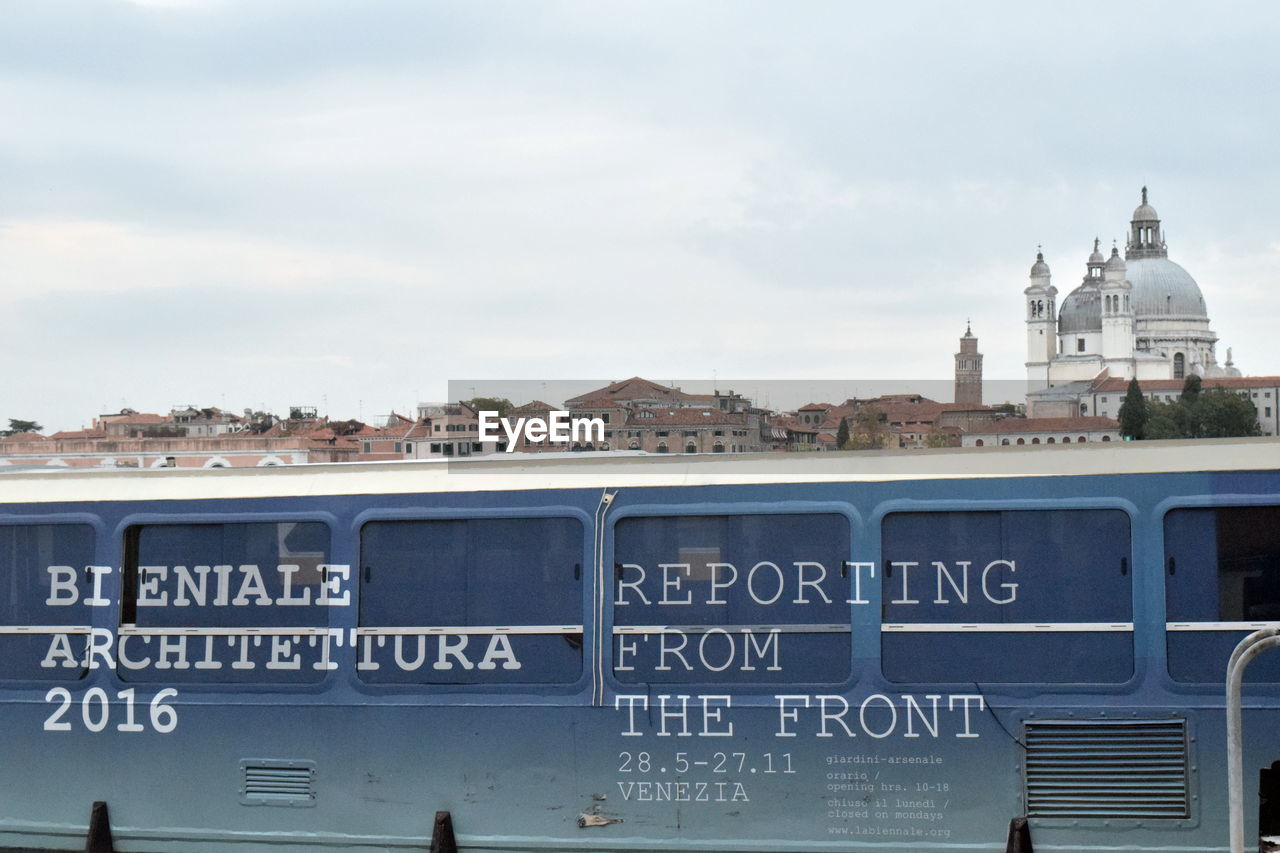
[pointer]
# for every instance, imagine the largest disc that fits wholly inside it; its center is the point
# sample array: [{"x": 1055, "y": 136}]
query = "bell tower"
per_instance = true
[
  {"x": 969, "y": 370},
  {"x": 1040, "y": 298},
  {"x": 1117, "y": 318}
]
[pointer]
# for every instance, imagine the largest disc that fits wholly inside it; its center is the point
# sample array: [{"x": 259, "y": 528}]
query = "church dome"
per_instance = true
[
  {"x": 1081, "y": 310},
  {"x": 1144, "y": 213},
  {"x": 1161, "y": 288}
]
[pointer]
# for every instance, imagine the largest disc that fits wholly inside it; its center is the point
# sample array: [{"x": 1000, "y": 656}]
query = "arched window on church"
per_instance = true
[{"x": 1179, "y": 366}]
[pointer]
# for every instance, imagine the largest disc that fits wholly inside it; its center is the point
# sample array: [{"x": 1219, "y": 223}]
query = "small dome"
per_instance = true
[
  {"x": 1145, "y": 213},
  {"x": 1039, "y": 267},
  {"x": 1096, "y": 257},
  {"x": 1115, "y": 262},
  {"x": 1081, "y": 310}
]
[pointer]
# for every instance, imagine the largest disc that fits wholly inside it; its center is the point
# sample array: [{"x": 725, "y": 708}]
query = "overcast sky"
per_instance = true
[{"x": 348, "y": 204}]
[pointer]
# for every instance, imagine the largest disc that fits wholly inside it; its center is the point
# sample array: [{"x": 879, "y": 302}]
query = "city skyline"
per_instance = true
[{"x": 235, "y": 204}]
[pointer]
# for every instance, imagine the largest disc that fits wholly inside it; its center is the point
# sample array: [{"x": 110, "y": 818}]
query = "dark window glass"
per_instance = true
[
  {"x": 490, "y": 574},
  {"x": 1006, "y": 571},
  {"x": 238, "y": 602},
  {"x": 731, "y": 598},
  {"x": 1222, "y": 565},
  {"x": 43, "y": 582}
]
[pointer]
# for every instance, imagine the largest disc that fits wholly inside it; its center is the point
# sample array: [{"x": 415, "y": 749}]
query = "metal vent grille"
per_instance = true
[
  {"x": 278, "y": 783},
  {"x": 1107, "y": 769}
]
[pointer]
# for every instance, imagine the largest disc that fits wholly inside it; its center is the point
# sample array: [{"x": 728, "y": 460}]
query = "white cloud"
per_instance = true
[
  {"x": 440, "y": 190},
  {"x": 50, "y": 256}
]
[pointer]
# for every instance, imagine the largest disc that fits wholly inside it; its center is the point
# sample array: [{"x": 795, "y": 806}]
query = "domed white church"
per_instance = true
[{"x": 1138, "y": 316}]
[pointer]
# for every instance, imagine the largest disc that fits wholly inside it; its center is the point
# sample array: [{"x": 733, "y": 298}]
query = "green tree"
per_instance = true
[
  {"x": 1198, "y": 413},
  {"x": 1190, "y": 389},
  {"x": 868, "y": 431},
  {"x": 937, "y": 438},
  {"x": 1219, "y": 413},
  {"x": 1134, "y": 413},
  {"x": 842, "y": 434},
  {"x": 17, "y": 426},
  {"x": 1164, "y": 420},
  {"x": 501, "y": 405},
  {"x": 348, "y": 427}
]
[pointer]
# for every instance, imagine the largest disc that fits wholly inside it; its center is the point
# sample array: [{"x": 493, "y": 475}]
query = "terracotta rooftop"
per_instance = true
[
  {"x": 1120, "y": 385},
  {"x": 79, "y": 433},
  {"x": 634, "y": 388},
  {"x": 900, "y": 409},
  {"x": 24, "y": 436},
  {"x": 793, "y": 425},
  {"x": 134, "y": 418},
  {"x": 531, "y": 407}
]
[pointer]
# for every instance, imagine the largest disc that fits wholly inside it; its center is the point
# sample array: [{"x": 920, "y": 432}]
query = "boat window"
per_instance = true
[
  {"x": 1007, "y": 596},
  {"x": 731, "y": 598},
  {"x": 1222, "y": 581},
  {"x": 44, "y": 582},
  {"x": 243, "y": 602},
  {"x": 471, "y": 601}
]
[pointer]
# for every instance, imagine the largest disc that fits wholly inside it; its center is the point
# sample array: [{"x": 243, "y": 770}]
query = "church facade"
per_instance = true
[{"x": 1137, "y": 316}]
